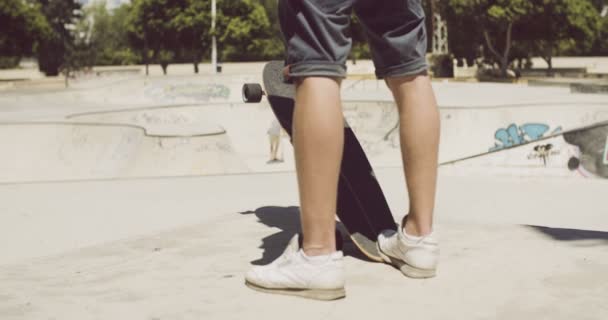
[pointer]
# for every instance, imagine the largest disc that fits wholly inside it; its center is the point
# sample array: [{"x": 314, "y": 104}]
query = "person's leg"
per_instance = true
[
  {"x": 397, "y": 37},
  {"x": 419, "y": 133},
  {"x": 270, "y": 142},
  {"x": 314, "y": 270},
  {"x": 279, "y": 148},
  {"x": 318, "y": 138},
  {"x": 274, "y": 147},
  {"x": 318, "y": 42},
  {"x": 413, "y": 248}
]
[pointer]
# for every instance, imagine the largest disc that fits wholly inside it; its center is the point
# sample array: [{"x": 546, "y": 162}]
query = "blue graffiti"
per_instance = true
[{"x": 514, "y": 135}]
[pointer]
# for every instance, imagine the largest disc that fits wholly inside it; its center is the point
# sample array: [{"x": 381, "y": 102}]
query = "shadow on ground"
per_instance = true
[
  {"x": 562, "y": 234},
  {"x": 287, "y": 220}
]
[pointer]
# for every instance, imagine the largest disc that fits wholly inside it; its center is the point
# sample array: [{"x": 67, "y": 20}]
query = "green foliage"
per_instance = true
[
  {"x": 360, "y": 49},
  {"x": 9, "y": 62},
  {"x": 121, "y": 57},
  {"x": 244, "y": 32},
  {"x": 561, "y": 27},
  {"x": 106, "y": 33},
  {"x": 167, "y": 31},
  {"x": 442, "y": 65},
  {"x": 179, "y": 27},
  {"x": 601, "y": 46},
  {"x": 535, "y": 27},
  {"x": 22, "y": 25},
  {"x": 193, "y": 28},
  {"x": 464, "y": 38},
  {"x": 164, "y": 58},
  {"x": 53, "y": 50},
  {"x": 150, "y": 26}
]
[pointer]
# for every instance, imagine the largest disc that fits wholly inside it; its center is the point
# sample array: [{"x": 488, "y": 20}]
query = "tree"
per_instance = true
[
  {"x": 465, "y": 38},
  {"x": 61, "y": 15},
  {"x": 491, "y": 20},
  {"x": 503, "y": 15},
  {"x": 602, "y": 39},
  {"x": 106, "y": 33},
  {"x": 245, "y": 33},
  {"x": 561, "y": 26},
  {"x": 151, "y": 29},
  {"x": 276, "y": 37},
  {"x": 22, "y": 25},
  {"x": 193, "y": 26},
  {"x": 360, "y": 49}
]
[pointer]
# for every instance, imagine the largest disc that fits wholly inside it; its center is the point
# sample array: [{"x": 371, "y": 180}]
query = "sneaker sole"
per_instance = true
[
  {"x": 315, "y": 294},
  {"x": 406, "y": 269},
  {"x": 368, "y": 247}
]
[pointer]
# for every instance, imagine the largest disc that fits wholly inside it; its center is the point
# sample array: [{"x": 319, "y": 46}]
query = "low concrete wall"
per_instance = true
[{"x": 589, "y": 88}]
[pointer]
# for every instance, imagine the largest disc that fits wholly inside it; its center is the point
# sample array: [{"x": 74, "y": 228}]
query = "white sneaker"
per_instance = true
[
  {"x": 295, "y": 273},
  {"x": 416, "y": 257}
]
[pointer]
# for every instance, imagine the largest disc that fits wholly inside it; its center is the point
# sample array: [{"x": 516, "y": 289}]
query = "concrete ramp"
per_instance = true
[
  {"x": 470, "y": 131},
  {"x": 79, "y": 151},
  {"x": 478, "y": 130},
  {"x": 185, "y": 140},
  {"x": 580, "y": 152},
  {"x": 142, "y": 90}
]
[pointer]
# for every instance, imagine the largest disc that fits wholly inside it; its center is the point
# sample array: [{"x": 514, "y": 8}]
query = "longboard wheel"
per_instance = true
[
  {"x": 574, "y": 163},
  {"x": 252, "y": 92}
]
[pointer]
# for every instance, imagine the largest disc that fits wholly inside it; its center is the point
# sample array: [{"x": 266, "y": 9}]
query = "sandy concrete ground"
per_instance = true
[{"x": 177, "y": 248}]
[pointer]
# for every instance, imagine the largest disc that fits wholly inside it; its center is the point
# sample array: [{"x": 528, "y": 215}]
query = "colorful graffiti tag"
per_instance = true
[
  {"x": 192, "y": 91},
  {"x": 515, "y": 135}
]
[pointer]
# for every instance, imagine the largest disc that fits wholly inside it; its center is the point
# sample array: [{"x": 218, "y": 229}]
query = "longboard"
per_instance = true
[{"x": 362, "y": 207}]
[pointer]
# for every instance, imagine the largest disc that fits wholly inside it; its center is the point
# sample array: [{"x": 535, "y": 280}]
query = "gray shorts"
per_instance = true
[{"x": 317, "y": 36}]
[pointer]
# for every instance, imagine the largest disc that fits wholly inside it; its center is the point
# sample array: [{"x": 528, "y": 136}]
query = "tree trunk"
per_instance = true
[
  {"x": 195, "y": 61},
  {"x": 146, "y": 62},
  {"x": 67, "y": 76},
  {"x": 164, "y": 65},
  {"x": 503, "y": 58},
  {"x": 549, "y": 61},
  {"x": 548, "y": 57},
  {"x": 504, "y": 67},
  {"x": 145, "y": 54}
]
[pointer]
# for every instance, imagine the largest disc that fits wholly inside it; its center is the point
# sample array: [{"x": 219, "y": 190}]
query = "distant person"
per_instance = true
[
  {"x": 317, "y": 33},
  {"x": 274, "y": 135}
]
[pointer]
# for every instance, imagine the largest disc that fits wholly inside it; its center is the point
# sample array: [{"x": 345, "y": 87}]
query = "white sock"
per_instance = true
[
  {"x": 410, "y": 237},
  {"x": 316, "y": 259}
]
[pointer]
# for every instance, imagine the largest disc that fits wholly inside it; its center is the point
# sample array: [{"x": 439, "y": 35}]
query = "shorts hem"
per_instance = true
[
  {"x": 319, "y": 69},
  {"x": 415, "y": 67}
]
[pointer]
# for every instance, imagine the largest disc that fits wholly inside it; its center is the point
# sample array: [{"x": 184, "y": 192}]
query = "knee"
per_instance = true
[{"x": 395, "y": 81}]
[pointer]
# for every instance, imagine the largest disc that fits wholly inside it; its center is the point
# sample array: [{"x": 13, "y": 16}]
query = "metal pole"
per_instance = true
[{"x": 213, "y": 40}]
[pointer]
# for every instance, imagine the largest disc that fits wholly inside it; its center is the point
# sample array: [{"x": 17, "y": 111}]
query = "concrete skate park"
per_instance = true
[{"x": 126, "y": 196}]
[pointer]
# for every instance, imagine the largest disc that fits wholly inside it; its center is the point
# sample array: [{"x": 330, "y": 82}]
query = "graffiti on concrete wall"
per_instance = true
[
  {"x": 543, "y": 152},
  {"x": 192, "y": 91},
  {"x": 515, "y": 135}
]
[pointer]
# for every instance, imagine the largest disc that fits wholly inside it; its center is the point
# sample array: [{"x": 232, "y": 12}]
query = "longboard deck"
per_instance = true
[{"x": 362, "y": 207}]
